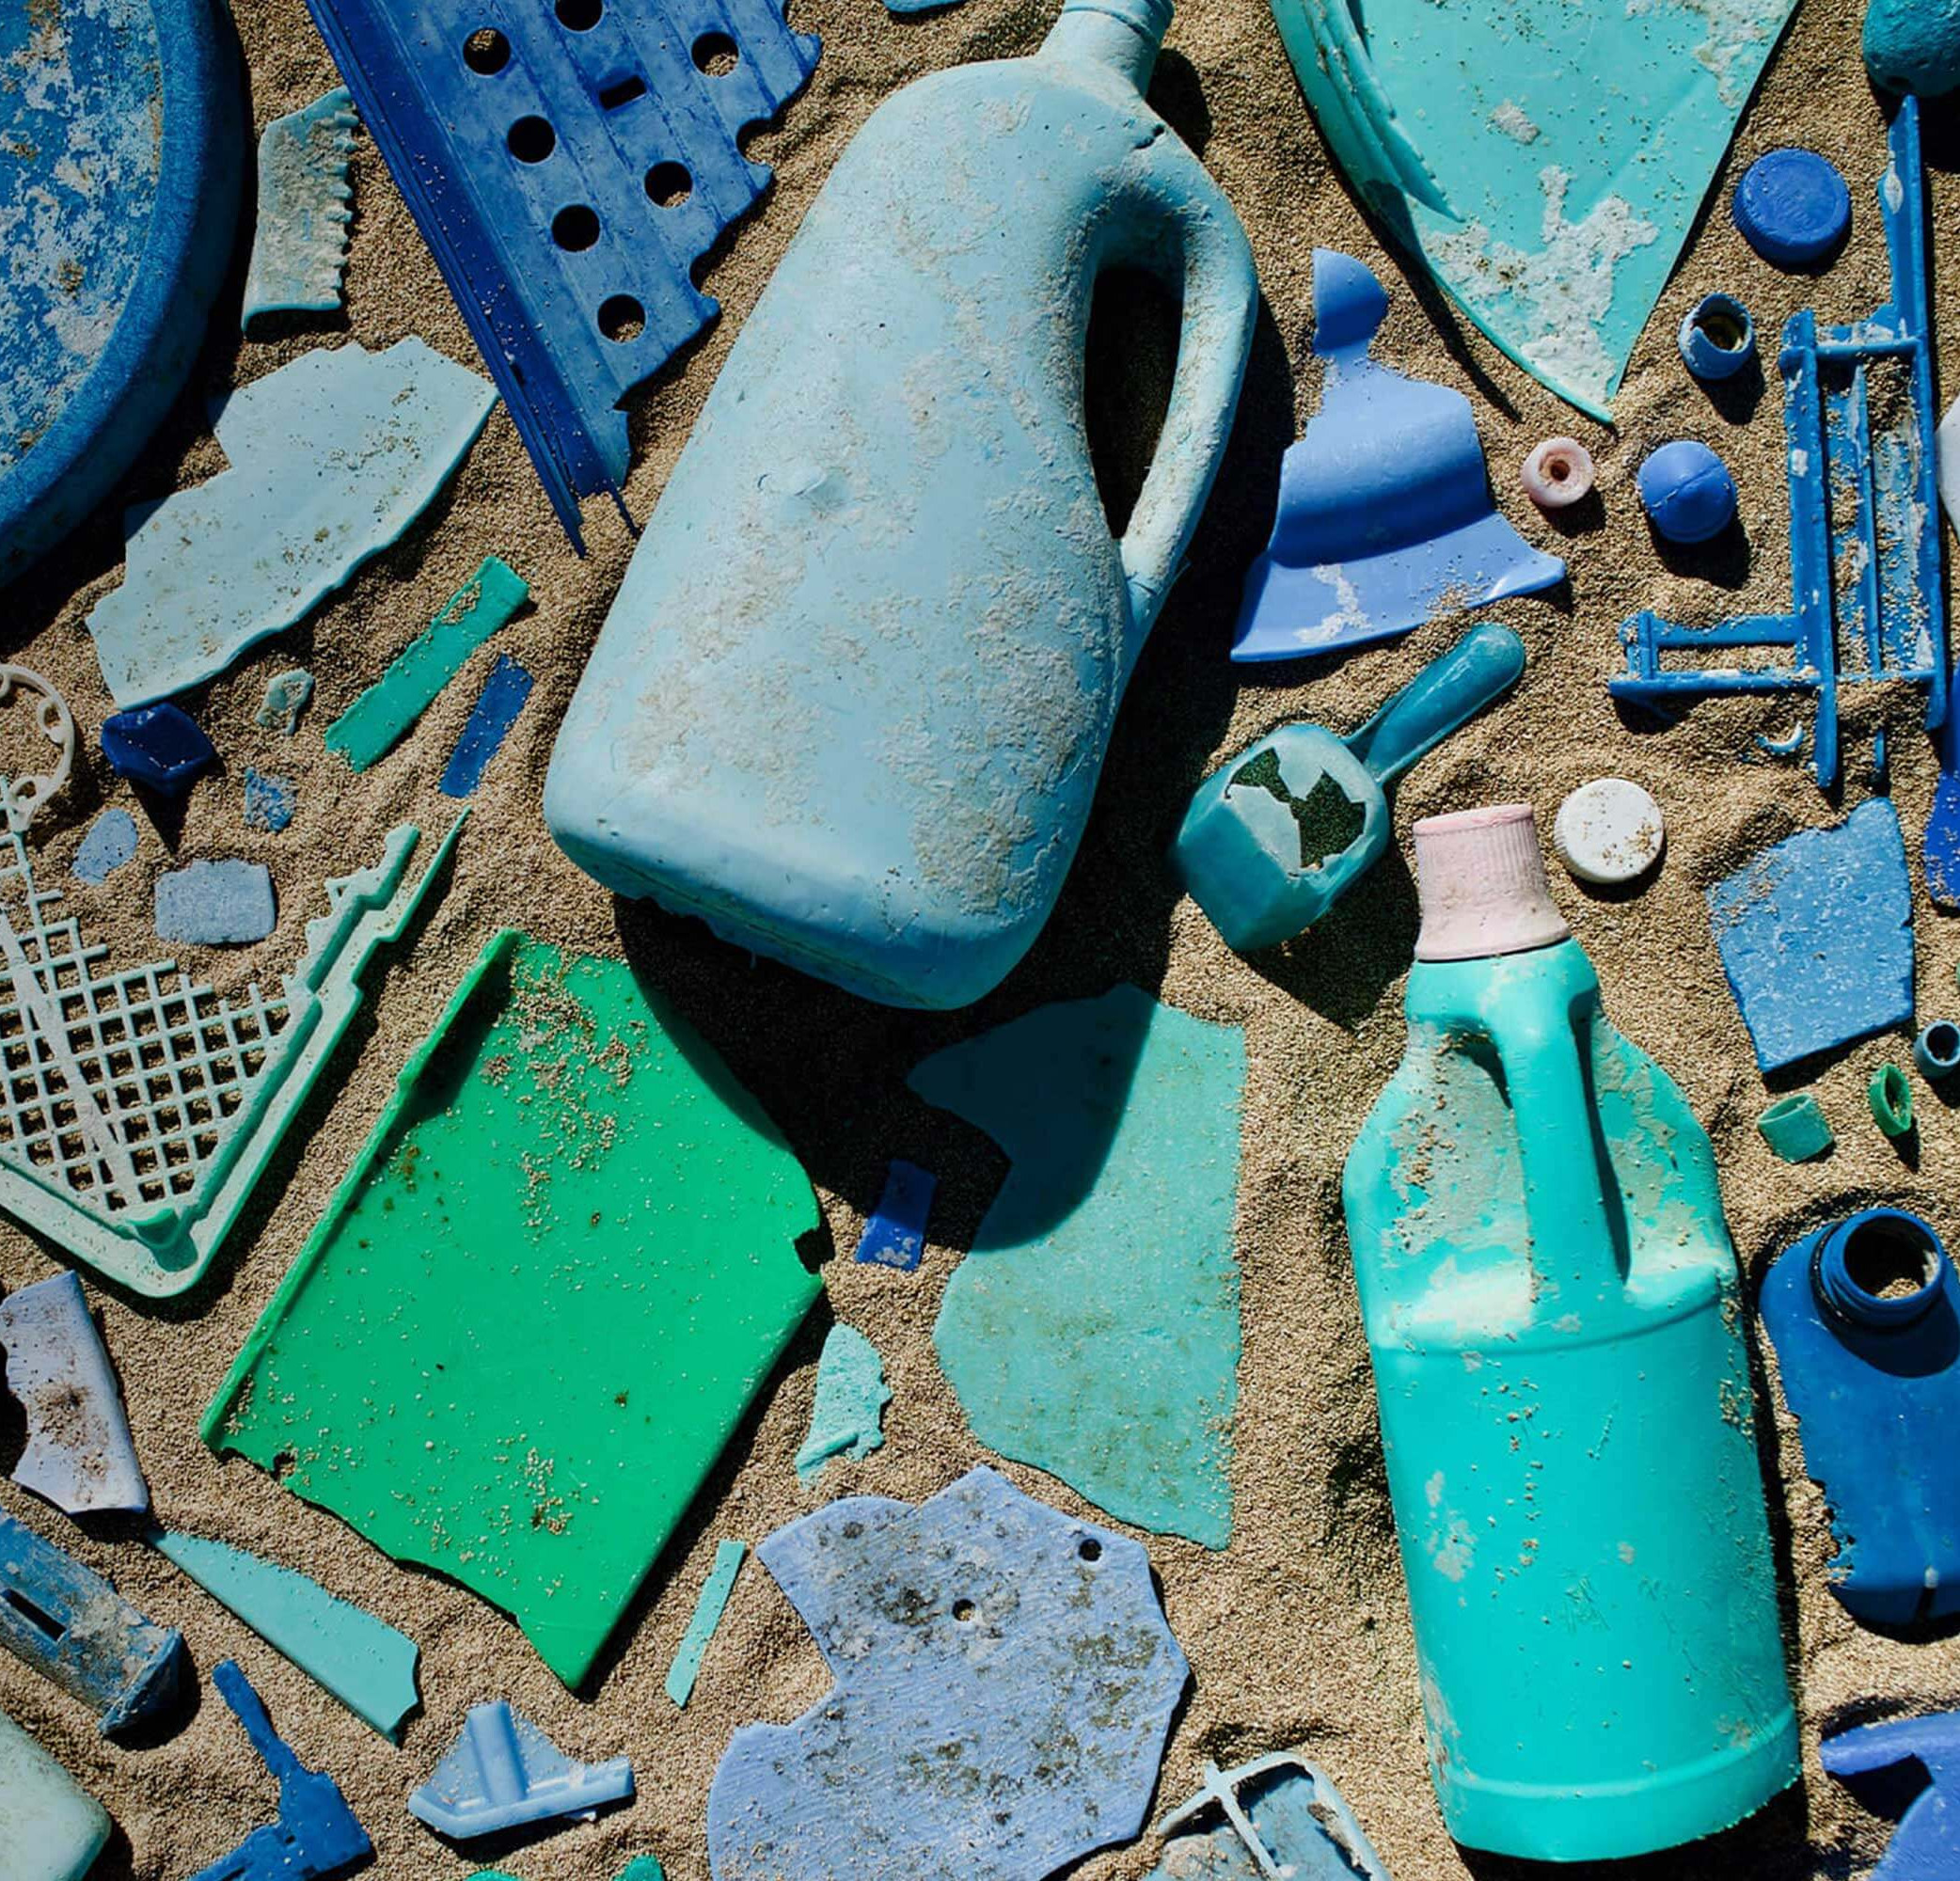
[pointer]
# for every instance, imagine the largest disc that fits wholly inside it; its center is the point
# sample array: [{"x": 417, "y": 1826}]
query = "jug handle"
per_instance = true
[{"x": 1220, "y": 301}]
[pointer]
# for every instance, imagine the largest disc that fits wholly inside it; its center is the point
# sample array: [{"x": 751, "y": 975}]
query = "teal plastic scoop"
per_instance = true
[{"x": 1276, "y": 837}]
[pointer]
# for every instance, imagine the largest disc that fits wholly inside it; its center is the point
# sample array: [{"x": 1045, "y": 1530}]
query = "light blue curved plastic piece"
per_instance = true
[
  {"x": 364, "y": 1662},
  {"x": 1120, "y": 1118},
  {"x": 299, "y": 243},
  {"x": 111, "y": 842},
  {"x": 1004, "y": 1683},
  {"x": 55, "y": 1828},
  {"x": 505, "y": 1772},
  {"x": 1283, "y": 1820},
  {"x": 709, "y": 1605},
  {"x": 1577, "y": 142},
  {"x": 331, "y": 458},
  {"x": 1385, "y": 517},
  {"x": 852, "y": 1395},
  {"x": 1926, "y": 1845},
  {"x": 852, "y": 700}
]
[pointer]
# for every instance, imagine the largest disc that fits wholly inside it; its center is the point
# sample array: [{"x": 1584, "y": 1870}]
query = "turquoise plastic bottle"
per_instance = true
[
  {"x": 1552, "y": 1307},
  {"x": 852, "y": 700}
]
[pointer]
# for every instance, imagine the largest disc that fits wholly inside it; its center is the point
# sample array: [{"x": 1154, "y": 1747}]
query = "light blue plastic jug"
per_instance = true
[
  {"x": 1554, "y": 1313},
  {"x": 852, "y": 700}
]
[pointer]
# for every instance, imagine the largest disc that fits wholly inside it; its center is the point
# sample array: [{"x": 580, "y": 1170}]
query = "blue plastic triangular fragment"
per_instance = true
[{"x": 504, "y": 1771}]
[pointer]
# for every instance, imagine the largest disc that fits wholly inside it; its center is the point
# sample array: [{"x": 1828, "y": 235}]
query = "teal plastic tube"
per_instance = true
[{"x": 1553, "y": 1309}]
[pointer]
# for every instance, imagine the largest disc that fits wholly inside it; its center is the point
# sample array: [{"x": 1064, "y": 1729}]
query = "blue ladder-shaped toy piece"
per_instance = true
[
  {"x": 1926, "y": 1845},
  {"x": 567, "y": 166},
  {"x": 316, "y": 1835},
  {"x": 1867, "y": 598}
]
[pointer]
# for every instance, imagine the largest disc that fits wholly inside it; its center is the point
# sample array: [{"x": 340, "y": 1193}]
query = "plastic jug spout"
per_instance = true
[{"x": 1122, "y": 35}]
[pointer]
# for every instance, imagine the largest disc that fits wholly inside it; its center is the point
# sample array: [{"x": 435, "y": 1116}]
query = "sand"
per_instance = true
[{"x": 1299, "y": 1632}]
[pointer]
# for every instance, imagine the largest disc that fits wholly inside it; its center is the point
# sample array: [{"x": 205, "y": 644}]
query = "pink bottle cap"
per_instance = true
[{"x": 1481, "y": 879}]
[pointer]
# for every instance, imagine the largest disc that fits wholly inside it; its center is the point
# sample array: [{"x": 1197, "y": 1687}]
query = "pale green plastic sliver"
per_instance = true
[{"x": 709, "y": 1606}]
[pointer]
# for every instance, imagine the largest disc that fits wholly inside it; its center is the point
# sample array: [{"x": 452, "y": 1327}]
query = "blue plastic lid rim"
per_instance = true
[{"x": 1840, "y": 1294}]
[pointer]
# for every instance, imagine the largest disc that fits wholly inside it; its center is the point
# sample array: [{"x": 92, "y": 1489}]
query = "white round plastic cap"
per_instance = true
[
  {"x": 1482, "y": 882},
  {"x": 1609, "y": 832}
]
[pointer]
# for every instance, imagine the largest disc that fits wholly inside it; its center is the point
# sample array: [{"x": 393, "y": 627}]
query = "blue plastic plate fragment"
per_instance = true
[
  {"x": 568, "y": 165},
  {"x": 1926, "y": 1845}
]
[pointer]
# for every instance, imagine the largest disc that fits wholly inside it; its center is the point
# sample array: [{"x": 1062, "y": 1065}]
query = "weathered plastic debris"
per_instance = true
[
  {"x": 1554, "y": 1313},
  {"x": 1890, "y": 1094},
  {"x": 161, "y": 747},
  {"x": 643, "y": 1868},
  {"x": 503, "y": 1772},
  {"x": 1793, "y": 207},
  {"x": 1609, "y": 832},
  {"x": 1557, "y": 473},
  {"x": 269, "y": 800},
  {"x": 1120, "y": 1120},
  {"x": 567, "y": 171},
  {"x": 371, "y": 726},
  {"x": 1283, "y": 1820},
  {"x": 124, "y": 129},
  {"x": 1941, "y": 849},
  {"x": 1926, "y": 1845},
  {"x": 1815, "y": 935},
  {"x": 895, "y": 1234},
  {"x": 1936, "y": 1050},
  {"x": 111, "y": 842},
  {"x": 316, "y": 1835},
  {"x": 77, "y": 1632},
  {"x": 852, "y": 1395},
  {"x": 79, "y": 1453},
  {"x": 645, "y": 1213},
  {"x": 20, "y": 797},
  {"x": 364, "y": 1662},
  {"x": 216, "y": 904},
  {"x": 1273, "y": 839},
  {"x": 299, "y": 240},
  {"x": 1795, "y": 1127},
  {"x": 1384, "y": 516},
  {"x": 287, "y": 695},
  {"x": 1688, "y": 492},
  {"x": 910, "y": 844},
  {"x": 215, "y": 569},
  {"x": 1867, "y": 560},
  {"x": 1913, "y": 46},
  {"x": 1717, "y": 338},
  {"x": 1546, "y": 162},
  {"x": 708, "y": 1609},
  {"x": 55, "y": 1828},
  {"x": 1864, "y": 1314},
  {"x": 144, "y": 1182},
  {"x": 1012, "y": 1703},
  {"x": 490, "y": 721}
]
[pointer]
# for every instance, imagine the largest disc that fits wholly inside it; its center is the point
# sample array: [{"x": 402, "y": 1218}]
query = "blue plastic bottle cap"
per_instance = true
[
  {"x": 1794, "y": 206},
  {"x": 1688, "y": 492}
]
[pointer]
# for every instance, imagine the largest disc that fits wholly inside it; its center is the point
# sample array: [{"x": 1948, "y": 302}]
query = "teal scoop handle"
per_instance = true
[{"x": 1443, "y": 698}]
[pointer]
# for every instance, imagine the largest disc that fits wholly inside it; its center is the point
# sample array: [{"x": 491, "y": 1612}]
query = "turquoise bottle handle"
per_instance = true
[{"x": 1444, "y": 696}]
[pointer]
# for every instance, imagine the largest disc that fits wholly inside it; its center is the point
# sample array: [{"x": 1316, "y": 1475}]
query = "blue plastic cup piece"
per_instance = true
[
  {"x": 1936, "y": 1050},
  {"x": 1718, "y": 338},
  {"x": 1793, "y": 207},
  {"x": 1880, "y": 1267},
  {"x": 1688, "y": 492}
]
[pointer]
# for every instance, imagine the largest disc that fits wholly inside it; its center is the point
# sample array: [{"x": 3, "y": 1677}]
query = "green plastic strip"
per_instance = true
[
  {"x": 709, "y": 1610},
  {"x": 382, "y": 715}
]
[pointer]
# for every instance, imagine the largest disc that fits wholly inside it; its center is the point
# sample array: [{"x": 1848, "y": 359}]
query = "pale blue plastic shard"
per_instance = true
[
  {"x": 490, "y": 721},
  {"x": 364, "y": 1662},
  {"x": 1926, "y": 1845},
  {"x": 269, "y": 801},
  {"x": 505, "y": 1772},
  {"x": 1094, "y": 1329},
  {"x": 111, "y": 842},
  {"x": 708, "y": 1609},
  {"x": 1281, "y": 1819},
  {"x": 287, "y": 695},
  {"x": 299, "y": 243},
  {"x": 1004, "y": 1684},
  {"x": 895, "y": 1234},
  {"x": 1815, "y": 936},
  {"x": 852, "y": 1395},
  {"x": 216, "y": 904},
  {"x": 1385, "y": 517},
  {"x": 1547, "y": 161},
  {"x": 331, "y": 458}
]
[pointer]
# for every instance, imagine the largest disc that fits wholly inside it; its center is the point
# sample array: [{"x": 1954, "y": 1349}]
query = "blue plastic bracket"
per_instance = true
[{"x": 503, "y": 1771}]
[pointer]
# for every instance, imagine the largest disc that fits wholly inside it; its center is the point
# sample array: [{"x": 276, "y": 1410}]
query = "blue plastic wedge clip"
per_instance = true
[
  {"x": 1868, "y": 595},
  {"x": 503, "y": 1771},
  {"x": 1385, "y": 517},
  {"x": 1926, "y": 1845},
  {"x": 567, "y": 166},
  {"x": 316, "y": 1834},
  {"x": 895, "y": 1234},
  {"x": 1283, "y": 1820},
  {"x": 77, "y": 1632}
]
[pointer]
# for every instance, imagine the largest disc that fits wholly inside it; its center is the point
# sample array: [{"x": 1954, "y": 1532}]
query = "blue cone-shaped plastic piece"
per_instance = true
[
  {"x": 1385, "y": 514},
  {"x": 1926, "y": 1845},
  {"x": 503, "y": 1771},
  {"x": 1794, "y": 206},
  {"x": 161, "y": 746}
]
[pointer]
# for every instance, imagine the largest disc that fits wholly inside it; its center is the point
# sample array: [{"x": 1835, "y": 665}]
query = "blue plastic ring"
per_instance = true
[
  {"x": 1717, "y": 338},
  {"x": 1936, "y": 1050}
]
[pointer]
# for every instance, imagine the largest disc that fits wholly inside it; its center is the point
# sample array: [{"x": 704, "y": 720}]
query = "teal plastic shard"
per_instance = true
[
  {"x": 540, "y": 1303},
  {"x": 364, "y": 1662},
  {"x": 50, "y": 1828},
  {"x": 332, "y": 457},
  {"x": 708, "y": 1609},
  {"x": 142, "y": 1176},
  {"x": 1575, "y": 144},
  {"x": 852, "y": 1395},
  {"x": 299, "y": 245},
  {"x": 1094, "y": 1329},
  {"x": 1280, "y": 1820},
  {"x": 376, "y": 723}
]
